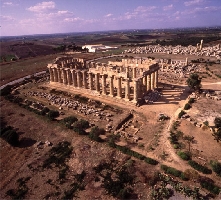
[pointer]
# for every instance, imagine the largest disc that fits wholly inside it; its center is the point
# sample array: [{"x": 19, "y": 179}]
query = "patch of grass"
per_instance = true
[{"x": 21, "y": 68}]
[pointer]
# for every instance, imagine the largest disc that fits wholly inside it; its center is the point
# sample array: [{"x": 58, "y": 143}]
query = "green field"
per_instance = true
[{"x": 14, "y": 70}]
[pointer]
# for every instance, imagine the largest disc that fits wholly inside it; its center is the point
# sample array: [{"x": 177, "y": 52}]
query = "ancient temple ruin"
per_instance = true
[{"x": 129, "y": 79}]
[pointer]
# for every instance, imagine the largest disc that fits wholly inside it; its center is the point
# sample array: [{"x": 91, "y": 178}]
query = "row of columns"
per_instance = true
[{"x": 78, "y": 79}]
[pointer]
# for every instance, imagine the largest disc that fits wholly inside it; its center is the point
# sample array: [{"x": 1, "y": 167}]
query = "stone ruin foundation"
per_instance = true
[{"x": 128, "y": 80}]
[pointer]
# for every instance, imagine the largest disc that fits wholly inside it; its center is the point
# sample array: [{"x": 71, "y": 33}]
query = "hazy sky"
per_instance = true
[{"x": 24, "y": 17}]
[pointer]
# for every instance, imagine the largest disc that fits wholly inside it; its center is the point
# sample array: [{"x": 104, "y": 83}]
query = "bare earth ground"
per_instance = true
[{"x": 85, "y": 155}]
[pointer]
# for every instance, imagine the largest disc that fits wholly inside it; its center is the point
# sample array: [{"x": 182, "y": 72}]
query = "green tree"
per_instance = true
[
  {"x": 217, "y": 135},
  {"x": 80, "y": 126},
  {"x": 52, "y": 114},
  {"x": 217, "y": 122},
  {"x": 10, "y": 135},
  {"x": 189, "y": 139},
  {"x": 194, "y": 82},
  {"x": 95, "y": 133}
]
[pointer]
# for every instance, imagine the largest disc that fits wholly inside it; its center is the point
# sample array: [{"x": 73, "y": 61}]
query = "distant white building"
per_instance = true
[{"x": 97, "y": 47}]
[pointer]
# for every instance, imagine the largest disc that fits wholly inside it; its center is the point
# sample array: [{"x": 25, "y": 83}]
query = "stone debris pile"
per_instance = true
[
  {"x": 152, "y": 97},
  {"x": 212, "y": 51},
  {"x": 63, "y": 102}
]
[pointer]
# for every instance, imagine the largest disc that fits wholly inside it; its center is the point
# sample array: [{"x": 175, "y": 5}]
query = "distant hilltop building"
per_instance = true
[{"x": 97, "y": 47}]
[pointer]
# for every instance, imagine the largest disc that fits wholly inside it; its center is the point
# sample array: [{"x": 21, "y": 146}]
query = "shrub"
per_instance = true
[
  {"x": 174, "y": 172},
  {"x": 181, "y": 113},
  {"x": 191, "y": 100},
  {"x": 184, "y": 155},
  {"x": 6, "y": 90},
  {"x": 199, "y": 167},
  {"x": 206, "y": 123},
  {"x": 69, "y": 121},
  {"x": 216, "y": 166},
  {"x": 95, "y": 133},
  {"x": 45, "y": 110},
  {"x": 217, "y": 122},
  {"x": 187, "y": 106},
  {"x": 171, "y": 170},
  {"x": 52, "y": 114},
  {"x": 191, "y": 174},
  {"x": 150, "y": 161},
  {"x": 10, "y": 135},
  {"x": 208, "y": 184},
  {"x": 173, "y": 138},
  {"x": 80, "y": 126}
]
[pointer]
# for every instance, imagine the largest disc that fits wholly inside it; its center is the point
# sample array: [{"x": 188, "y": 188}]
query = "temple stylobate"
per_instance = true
[{"x": 129, "y": 79}]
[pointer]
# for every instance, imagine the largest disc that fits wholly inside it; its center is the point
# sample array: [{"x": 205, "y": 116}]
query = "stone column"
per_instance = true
[
  {"x": 104, "y": 89},
  {"x": 148, "y": 82},
  {"x": 111, "y": 86},
  {"x": 145, "y": 83},
  {"x": 85, "y": 79},
  {"x": 74, "y": 78},
  {"x": 79, "y": 81},
  {"x": 152, "y": 80},
  {"x": 134, "y": 72},
  {"x": 97, "y": 76},
  {"x": 121, "y": 69},
  {"x": 90, "y": 81},
  {"x": 51, "y": 74},
  {"x": 156, "y": 79},
  {"x": 119, "y": 89},
  {"x": 127, "y": 71},
  {"x": 69, "y": 76},
  {"x": 135, "y": 91},
  {"x": 64, "y": 75},
  {"x": 59, "y": 75},
  {"x": 55, "y": 74},
  {"x": 127, "y": 90}
]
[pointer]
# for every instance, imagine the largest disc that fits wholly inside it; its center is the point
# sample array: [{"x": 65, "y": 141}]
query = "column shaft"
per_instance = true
[
  {"x": 97, "y": 76},
  {"x": 104, "y": 89},
  {"x": 69, "y": 76},
  {"x": 111, "y": 86},
  {"x": 51, "y": 74},
  {"x": 64, "y": 75},
  {"x": 59, "y": 76},
  {"x": 148, "y": 82},
  {"x": 127, "y": 90},
  {"x": 90, "y": 81},
  {"x": 79, "y": 81},
  {"x": 135, "y": 91},
  {"x": 156, "y": 79},
  {"x": 74, "y": 78},
  {"x": 152, "y": 81},
  {"x": 134, "y": 72},
  {"x": 119, "y": 89},
  {"x": 55, "y": 74},
  {"x": 85, "y": 79}
]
